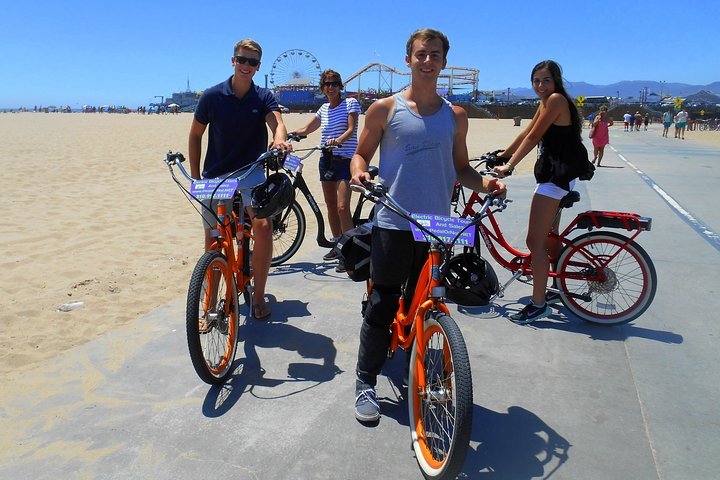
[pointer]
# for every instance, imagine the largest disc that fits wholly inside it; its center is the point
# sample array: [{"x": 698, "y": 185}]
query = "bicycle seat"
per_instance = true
[{"x": 569, "y": 200}]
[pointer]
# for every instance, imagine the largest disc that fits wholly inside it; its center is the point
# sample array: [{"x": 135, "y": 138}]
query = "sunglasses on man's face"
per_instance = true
[
  {"x": 253, "y": 62},
  {"x": 332, "y": 84}
]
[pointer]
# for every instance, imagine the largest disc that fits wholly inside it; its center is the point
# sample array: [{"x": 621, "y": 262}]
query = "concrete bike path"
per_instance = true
[{"x": 560, "y": 399}]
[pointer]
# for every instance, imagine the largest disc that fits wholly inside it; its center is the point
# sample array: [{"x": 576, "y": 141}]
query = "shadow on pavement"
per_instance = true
[
  {"x": 515, "y": 445},
  {"x": 274, "y": 334},
  {"x": 562, "y": 319}
]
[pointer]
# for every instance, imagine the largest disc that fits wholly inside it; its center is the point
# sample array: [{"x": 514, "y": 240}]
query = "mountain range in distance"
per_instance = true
[{"x": 627, "y": 89}]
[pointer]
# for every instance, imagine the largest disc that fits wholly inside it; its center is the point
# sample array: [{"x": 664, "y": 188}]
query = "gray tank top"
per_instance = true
[{"x": 416, "y": 162}]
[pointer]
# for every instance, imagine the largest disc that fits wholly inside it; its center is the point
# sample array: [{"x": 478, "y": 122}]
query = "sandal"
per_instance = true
[{"x": 261, "y": 311}]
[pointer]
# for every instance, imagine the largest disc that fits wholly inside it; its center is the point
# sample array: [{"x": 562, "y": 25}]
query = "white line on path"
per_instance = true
[{"x": 697, "y": 225}]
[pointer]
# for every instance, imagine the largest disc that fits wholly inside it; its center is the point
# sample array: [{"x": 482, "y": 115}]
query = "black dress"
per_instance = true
[{"x": 562, "y": 157}]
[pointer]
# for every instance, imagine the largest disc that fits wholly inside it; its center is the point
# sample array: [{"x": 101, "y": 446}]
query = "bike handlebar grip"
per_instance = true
[
  {"x": 295, "y": 136},
  {"x": 176, "y": 157}
]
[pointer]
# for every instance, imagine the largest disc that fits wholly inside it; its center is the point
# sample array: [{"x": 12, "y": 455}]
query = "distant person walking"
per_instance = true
[
  {"x": 646, "y": 120},
  {"x": 680, "y": 124},
  {"x": 667, "y": 121},
  {"x": 638, "y": 121},
  {"x": 627, "y": 119},
  {"x": 601, "y": 137}
]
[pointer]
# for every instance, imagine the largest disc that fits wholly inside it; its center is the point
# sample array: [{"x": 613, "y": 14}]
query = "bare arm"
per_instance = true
[
  {"x": 312, "y": 125},
  {"x": 466, "y": 175},
  {"x": 352, "y": 121},
  {"x": 375, "y": 122},
  {"x": 277, "y": 127},
  {"x": 546, "y": 116},
  {"x": 197, "y": 130}
]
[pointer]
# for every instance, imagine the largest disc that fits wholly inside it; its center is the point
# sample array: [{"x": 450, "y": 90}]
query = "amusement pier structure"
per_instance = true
[{"x": 295, "y": 79}]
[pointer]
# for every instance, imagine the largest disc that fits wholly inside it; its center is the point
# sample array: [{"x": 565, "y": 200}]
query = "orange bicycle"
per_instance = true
[
  {"x": 212, "y": 312},
  {"x": 440, "y": 392}
]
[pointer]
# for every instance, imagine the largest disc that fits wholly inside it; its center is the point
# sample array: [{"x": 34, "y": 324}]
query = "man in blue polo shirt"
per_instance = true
[{"x": 237, "y": 112}]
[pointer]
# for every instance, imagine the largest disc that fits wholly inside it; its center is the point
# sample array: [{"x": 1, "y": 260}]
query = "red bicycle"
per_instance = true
[{"x": 601, "y": 276}]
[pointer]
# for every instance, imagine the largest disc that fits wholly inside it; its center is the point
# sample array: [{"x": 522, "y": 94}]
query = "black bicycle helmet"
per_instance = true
[
  {"x": 272, "y": 196},
  {"x": 470, "y": 280}
]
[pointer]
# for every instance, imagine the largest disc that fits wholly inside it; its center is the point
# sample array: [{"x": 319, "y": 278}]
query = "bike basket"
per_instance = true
[{"x": 353, "y": 247}]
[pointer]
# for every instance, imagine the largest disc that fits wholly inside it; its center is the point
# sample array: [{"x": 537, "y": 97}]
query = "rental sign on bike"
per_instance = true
[
  {"x": 217, "y": 188},
  {"x": 446, "y": 228}
]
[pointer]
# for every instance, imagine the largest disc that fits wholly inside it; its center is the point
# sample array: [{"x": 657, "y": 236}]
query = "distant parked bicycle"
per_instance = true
[{"x": 290, "y": 225}]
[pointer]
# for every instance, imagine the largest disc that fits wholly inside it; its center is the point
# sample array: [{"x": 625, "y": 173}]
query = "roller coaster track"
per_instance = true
[{"x": 451, "y": 78}]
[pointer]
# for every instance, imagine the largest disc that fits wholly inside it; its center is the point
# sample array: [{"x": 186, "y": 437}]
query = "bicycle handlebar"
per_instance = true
[
  {"x": 295, "y": 137},
  {"x": 377, "y": 193},
  {"x": 273, "y": 159},
  {"x": 490, "y": 160}
]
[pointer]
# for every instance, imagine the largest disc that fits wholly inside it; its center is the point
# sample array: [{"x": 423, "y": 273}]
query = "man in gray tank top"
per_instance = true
[{"x": 423, "y": 149}]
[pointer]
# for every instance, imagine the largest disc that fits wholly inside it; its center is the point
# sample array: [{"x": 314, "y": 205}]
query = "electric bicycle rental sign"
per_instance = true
[
  {"x": 217, "y": 188},
  {"x": 446, "y": 228}
]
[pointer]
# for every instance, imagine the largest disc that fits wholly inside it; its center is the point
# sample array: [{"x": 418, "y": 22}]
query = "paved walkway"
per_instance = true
[{"x": 561, "y": 399}]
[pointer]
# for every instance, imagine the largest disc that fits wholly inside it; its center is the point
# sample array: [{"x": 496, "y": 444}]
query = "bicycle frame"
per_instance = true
[
  {"x": 520, "y": 262},
  {"x": 429, "y": 291},
  {"x": 299, "y": 183},
  {"x": 425, "y": 298}
]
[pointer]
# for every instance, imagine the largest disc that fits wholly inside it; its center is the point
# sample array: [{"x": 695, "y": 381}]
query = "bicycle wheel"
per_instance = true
[
  {"x": 441, "y": 413},
  {"x": 288, "y": 233},
  {"x": 212, "y": 318},
  {"x": 620, "y": 292}
]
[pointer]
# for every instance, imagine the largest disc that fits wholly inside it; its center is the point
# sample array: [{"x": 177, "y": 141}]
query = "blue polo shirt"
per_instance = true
[{"x": 238, "y": 134}]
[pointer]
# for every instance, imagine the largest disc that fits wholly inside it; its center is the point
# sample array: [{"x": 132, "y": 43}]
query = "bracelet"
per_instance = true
[{"x": 512, "y": 167}]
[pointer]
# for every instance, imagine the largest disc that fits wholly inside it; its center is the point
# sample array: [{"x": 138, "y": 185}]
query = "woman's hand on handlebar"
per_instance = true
[{"x": 503, "y": 170}]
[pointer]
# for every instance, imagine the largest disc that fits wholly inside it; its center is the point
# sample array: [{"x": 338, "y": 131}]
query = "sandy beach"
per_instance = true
[{"x": 90, "y": 214}]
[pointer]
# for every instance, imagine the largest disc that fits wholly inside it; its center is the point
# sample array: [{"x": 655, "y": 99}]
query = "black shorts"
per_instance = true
[
  {"x": 338, "y": 168},
  {"x": 395, "y": 257}
]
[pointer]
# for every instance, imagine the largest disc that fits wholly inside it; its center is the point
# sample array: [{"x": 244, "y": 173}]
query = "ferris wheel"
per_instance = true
[{"x": 295, "y": 68}]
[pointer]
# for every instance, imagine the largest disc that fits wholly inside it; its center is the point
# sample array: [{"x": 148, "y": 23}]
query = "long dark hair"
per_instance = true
[{"x": 556, "y": 74}]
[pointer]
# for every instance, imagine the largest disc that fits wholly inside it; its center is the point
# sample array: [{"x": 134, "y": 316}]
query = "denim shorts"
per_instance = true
[{"x": 338, "y": 169}]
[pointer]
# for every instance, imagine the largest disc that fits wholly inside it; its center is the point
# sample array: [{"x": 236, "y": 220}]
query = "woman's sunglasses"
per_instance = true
[
  {"x": 332, "y": 84},
  {"x": 253, "y": 62}
]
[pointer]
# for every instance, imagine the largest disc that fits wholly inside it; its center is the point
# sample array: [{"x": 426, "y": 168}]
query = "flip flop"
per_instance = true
[{"x": 261, "y": 311}]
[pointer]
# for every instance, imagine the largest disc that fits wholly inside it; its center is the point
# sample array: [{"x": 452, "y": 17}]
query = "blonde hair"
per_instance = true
[{"x": 248, "y": 44}]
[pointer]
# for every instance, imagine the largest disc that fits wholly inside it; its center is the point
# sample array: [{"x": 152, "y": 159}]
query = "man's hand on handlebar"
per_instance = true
[
  {"x": 283, "y": 145},
  {"x": 362, "y": 179},
  {"x": 496, "y": 188}
]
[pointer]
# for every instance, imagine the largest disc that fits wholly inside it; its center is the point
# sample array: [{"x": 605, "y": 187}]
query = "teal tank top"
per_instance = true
[{"x": 416, "y": 162}]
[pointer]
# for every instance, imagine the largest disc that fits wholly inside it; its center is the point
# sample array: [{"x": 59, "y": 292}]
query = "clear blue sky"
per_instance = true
[{"x": 97, "y": 52}]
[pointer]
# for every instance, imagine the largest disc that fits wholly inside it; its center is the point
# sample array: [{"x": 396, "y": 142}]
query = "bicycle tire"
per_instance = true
[
  {"x": 441, "y": 416},
  {"x": 289, "y": 229},
  {"x": 629, "y": 286},
  {"x": 213, "y": 347}
]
